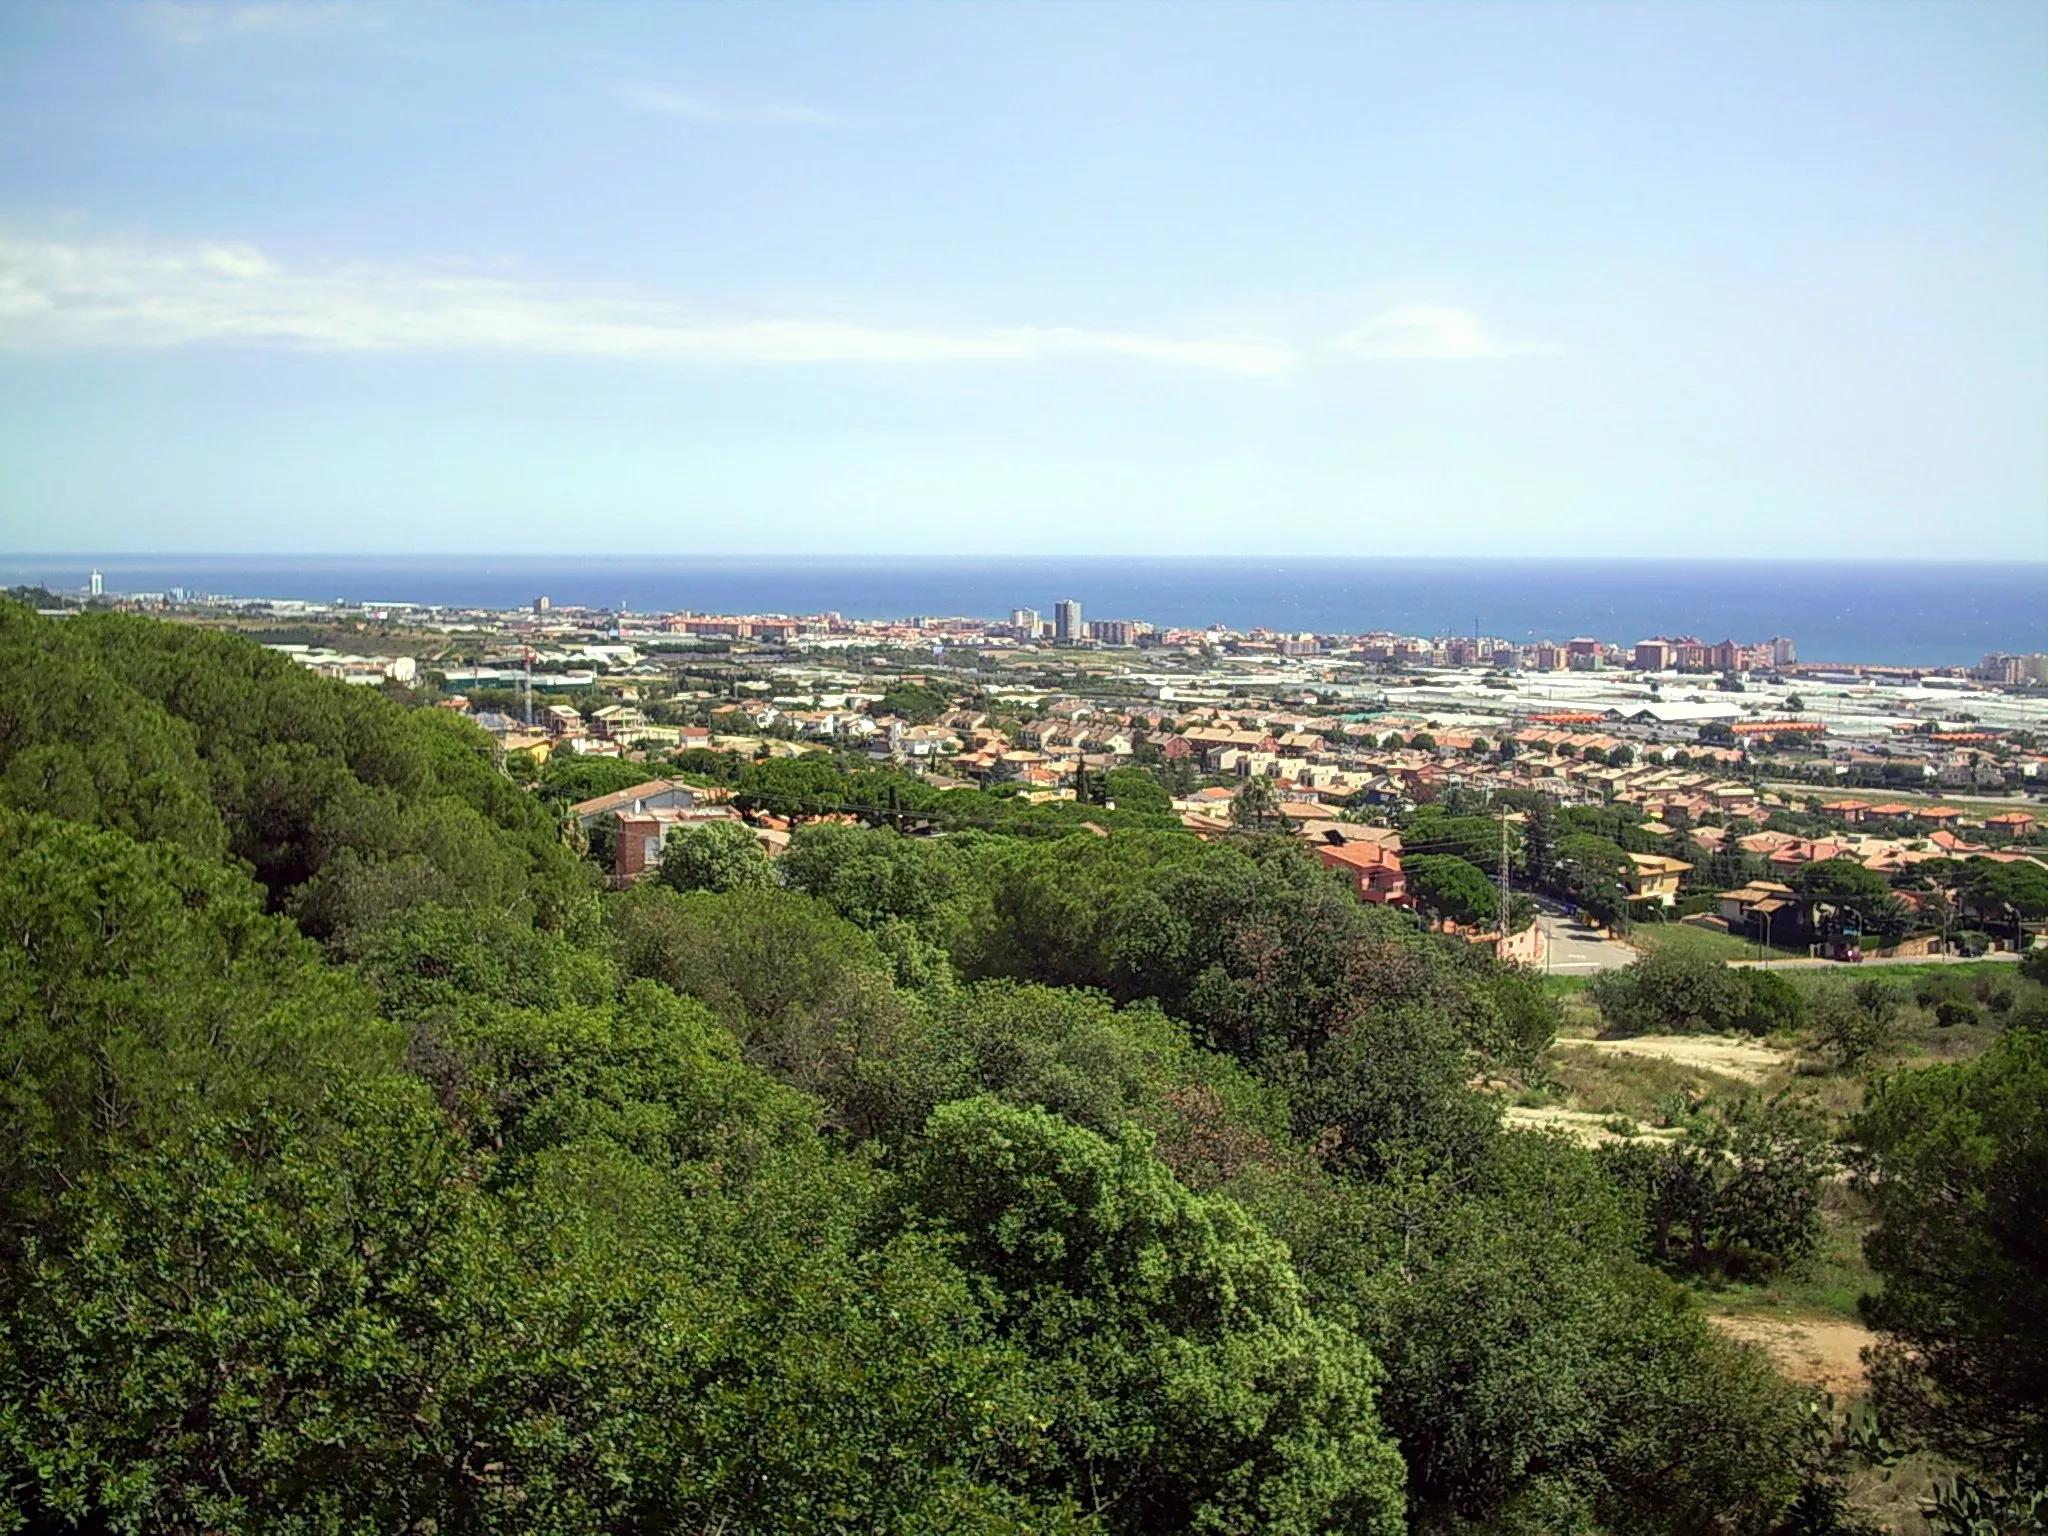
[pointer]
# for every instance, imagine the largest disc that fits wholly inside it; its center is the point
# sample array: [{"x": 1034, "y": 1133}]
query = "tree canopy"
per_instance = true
[
  {"x": 1451, "y": 887},
  {"x": 1955, "y": 1163},
  {"x": 718, "y": 856}
]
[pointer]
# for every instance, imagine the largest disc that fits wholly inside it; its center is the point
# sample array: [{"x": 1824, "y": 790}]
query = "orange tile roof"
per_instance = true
[{"x": 1362, "y": 855}]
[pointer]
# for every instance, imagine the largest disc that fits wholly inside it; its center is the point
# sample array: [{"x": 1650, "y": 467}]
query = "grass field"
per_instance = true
[
  {"x": 1643, "y": 1088},
  {"x": 1828, "y": 1284},
  {"x": 1691, "y": 939}
]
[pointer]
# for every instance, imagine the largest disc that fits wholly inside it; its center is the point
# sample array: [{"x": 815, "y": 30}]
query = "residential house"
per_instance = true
[
  {"x": 651, "y": 736},
  {"x": 1243, "y": 762},
  {"x": 927, "y": 740},
  {"x": 655, "y": 794},
  {"x": 1339, "y": 832},
  {"x": 1801, "y": 851},
  {"x": 639, "y": 836},
  {"x": 1655, "y": 878},
  {"x": 1736, "y": 906},
  {"x": 1021, "y": 764},
  {"x": 1373, "y": 872},
  {"x": 1955, "y": 846},
  {"x": 1764, "y": 844},
  {"x": 617, "y": 722}
]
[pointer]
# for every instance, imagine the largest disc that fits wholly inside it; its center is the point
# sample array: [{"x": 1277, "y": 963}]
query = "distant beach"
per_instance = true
[{"x": 1895, "y": 613}]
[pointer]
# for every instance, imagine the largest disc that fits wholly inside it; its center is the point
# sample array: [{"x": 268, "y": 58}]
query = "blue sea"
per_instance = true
[{"x": 1898, "y": 613}]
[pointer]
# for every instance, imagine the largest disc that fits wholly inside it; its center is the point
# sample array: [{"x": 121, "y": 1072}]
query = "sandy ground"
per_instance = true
[
  {"x": 1740, "y": 1058},
  {"x": 1822, "y": 965},
  {"x": 1588, "y": 1130},
  {"x": 1823, "y": 1352}
]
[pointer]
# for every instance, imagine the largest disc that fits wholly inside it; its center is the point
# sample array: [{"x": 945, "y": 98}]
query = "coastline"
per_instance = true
[{"x": 1884, "y": 614}]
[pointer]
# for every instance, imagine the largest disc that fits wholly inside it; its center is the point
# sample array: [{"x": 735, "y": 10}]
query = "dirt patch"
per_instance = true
[
  {"x": 1823, "y": 1352},
  {"x": 1587, "y": 1129},
  {"x": 1732, "y": 1057}
]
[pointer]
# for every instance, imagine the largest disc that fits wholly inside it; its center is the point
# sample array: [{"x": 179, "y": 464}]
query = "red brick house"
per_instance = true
[{"x": 640, "y": 836}]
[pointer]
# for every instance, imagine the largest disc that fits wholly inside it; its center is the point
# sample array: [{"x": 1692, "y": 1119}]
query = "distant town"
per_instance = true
[{"x": 1674, "y": 722}]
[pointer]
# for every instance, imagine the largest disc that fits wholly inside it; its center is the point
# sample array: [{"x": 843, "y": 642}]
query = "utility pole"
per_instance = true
[{"x": 1507, "y": 879}]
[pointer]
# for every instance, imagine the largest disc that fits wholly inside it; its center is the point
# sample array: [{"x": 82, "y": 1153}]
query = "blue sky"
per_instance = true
[{"x": 1067, "y": 278}]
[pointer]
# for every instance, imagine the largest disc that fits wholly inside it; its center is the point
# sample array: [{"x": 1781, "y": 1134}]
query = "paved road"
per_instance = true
[{"x": 1576, "y": 950}]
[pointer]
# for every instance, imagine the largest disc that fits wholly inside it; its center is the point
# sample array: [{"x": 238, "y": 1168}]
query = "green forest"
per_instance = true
[{"x": 369, "y": 1167}]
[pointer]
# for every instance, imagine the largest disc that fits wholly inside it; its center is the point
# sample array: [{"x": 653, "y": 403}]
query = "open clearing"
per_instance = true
[
  {"x": 1587, "y": 1129},
  {"x": 1823, "y": 1352},
  {"x": 1706, "y": 942},
  {"x": 1747, "y": 1060}
]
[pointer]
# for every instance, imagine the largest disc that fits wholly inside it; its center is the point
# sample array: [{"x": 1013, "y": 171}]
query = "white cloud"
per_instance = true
[
  {"x": 696, "y": 107},
  {"x": 191, "y": 24},
  {"x": 1426, "y": 330},
  {"x": 137, "y": 294}
]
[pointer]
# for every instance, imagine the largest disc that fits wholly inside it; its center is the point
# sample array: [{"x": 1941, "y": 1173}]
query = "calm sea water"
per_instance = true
[{"x": 1935, "y": 614}]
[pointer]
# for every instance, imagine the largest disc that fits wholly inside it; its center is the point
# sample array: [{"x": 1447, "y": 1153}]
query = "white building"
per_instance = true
[{"x": 367, "y": 670}]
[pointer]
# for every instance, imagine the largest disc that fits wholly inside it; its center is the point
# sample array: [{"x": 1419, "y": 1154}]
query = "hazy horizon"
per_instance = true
[{"x": 941, "y": 556}]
